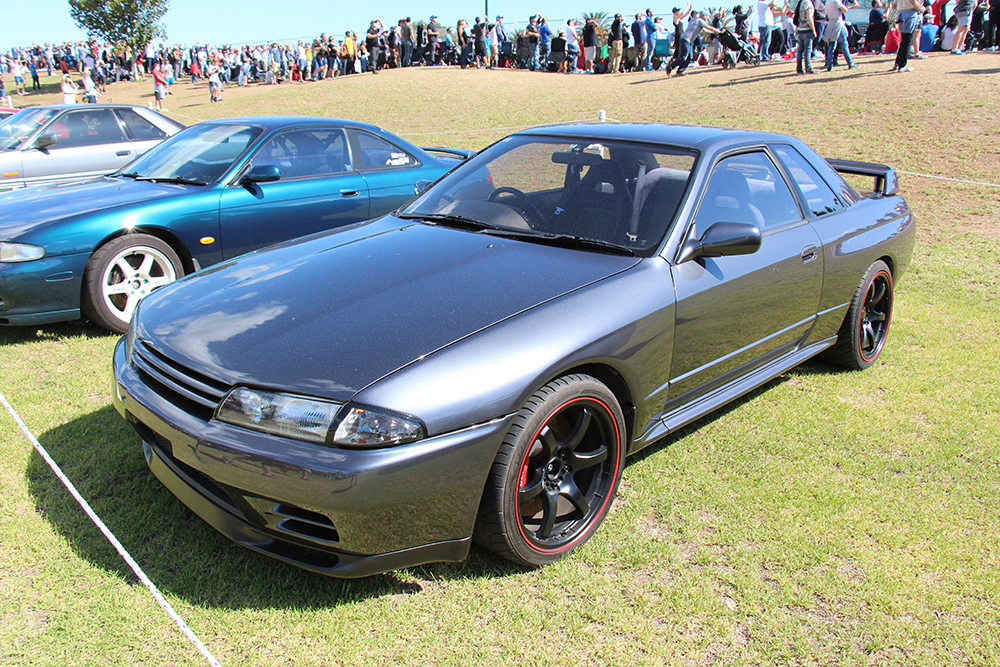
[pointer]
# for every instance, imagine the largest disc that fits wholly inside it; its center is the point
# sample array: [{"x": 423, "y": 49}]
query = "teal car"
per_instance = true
[{"x": 211, "y": 192}]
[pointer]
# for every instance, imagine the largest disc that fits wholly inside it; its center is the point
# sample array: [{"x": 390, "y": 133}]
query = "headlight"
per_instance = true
[
  {"x": 281, "y": 414},
  {"x": 314, "y": 419},
  {"x": 363, "y": 426},
  {"x": 20, "y": 252}
]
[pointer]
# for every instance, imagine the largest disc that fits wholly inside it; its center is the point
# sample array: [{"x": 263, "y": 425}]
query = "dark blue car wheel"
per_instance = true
[
  {"x": 866, "y": 327},
  {"x": 555, "y": 476}
]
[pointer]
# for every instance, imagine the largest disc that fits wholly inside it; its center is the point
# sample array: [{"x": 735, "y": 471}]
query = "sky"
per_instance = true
[{"x": 24, "y": 22}]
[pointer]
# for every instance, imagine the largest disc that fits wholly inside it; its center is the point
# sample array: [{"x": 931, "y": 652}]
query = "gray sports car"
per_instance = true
[
  {"x": 478, "y": 364},
  {"x": 62, "y": 142}
]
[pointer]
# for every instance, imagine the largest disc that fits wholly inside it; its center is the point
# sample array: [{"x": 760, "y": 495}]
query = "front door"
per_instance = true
[
  {"x": 318, "y": 190},
  {"x": 736, "y": 313}
]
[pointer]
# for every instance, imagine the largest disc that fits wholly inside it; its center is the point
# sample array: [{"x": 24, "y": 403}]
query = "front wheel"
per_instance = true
[
  {"x": 863, "y": 333},
  {"x": 556, "y": 473},
  {"x": 121, "y": 272}
]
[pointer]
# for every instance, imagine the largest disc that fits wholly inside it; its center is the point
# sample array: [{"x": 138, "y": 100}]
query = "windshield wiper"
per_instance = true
[
  {"x": 169, "y": 179},
  {"x": 562, "y": 240},
  {"x": 450, "y": 220},
  {"x": 127, "y": 174}
]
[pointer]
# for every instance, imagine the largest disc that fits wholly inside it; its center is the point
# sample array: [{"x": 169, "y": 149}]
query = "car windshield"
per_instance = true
[
  {"x": 612, "y": 193},
  {"x": 199, "y": 154},
  {"x": 16, "y": 129}
]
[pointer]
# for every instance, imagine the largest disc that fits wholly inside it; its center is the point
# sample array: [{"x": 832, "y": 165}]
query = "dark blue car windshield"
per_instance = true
[
  {"x": 617, "y": 193},
  {"x": 200, "y": 153}
]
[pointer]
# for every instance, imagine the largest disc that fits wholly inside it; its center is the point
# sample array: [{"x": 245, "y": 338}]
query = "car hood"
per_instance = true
[
  {"x": 332, "y": 314},
  {"x": 23, "y": 211}
]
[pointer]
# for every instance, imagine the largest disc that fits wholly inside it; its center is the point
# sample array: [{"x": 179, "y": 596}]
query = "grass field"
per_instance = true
[{"x": 829, "y": 518}]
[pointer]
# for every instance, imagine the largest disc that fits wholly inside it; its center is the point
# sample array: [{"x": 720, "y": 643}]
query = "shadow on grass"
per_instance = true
[
  {"x": 811, "y": 367},
  {"x": 184, "y": 556},
  {"x": 17, "y": 335}
]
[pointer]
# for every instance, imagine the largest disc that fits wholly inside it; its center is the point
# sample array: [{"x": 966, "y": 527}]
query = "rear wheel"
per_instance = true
[
  {"x": 863, "y": 333},
  {"x": 121, "y": 272},
  {"x": 556, "y": 474}
]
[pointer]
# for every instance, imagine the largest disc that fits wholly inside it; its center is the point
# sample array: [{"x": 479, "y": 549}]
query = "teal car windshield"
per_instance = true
[
  {"x": 616, "y": 193},
  {"x": 201, "y": 153},
  {"x": 16, "y": 129}
]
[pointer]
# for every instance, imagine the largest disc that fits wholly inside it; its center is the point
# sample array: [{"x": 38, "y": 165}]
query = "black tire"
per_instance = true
[
  {"x": 111, "y": 291},
  {"x": 863, "y": 333},
  {"x": 555, "y": 476}
]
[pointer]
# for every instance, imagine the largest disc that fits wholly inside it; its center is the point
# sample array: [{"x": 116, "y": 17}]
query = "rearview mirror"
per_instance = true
[
  {"x": 264, "y": 173},
  {"x": 46, "y": 140},
  {"x": 722, "y": 238}
]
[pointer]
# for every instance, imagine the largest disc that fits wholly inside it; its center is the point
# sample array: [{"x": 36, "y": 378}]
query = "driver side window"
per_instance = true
[{"x": 747, "y": 188}]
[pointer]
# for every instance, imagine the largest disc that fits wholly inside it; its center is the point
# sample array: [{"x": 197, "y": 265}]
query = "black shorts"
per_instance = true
[{"x": 480, "y": 49}]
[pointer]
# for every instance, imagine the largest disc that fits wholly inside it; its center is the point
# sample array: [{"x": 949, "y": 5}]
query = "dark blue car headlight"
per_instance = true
[{"x": 317, "y": 420}]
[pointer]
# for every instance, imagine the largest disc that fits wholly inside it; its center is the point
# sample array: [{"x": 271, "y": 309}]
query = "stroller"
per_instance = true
[{"x": 736, "y": 51}]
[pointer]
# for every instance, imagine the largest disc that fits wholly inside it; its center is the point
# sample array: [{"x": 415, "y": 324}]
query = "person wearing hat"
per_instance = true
[
  {"x": 500, "y": 36},
  {"x": 372, "y": 44},
  {"x": 433, "y": 32}
]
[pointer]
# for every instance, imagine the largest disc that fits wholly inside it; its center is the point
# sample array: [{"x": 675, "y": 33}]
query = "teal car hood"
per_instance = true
[{"x": 23, "y": 212}]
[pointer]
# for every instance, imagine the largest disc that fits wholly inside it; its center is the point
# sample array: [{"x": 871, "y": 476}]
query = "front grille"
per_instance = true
[{"x": 173, "y": 380}]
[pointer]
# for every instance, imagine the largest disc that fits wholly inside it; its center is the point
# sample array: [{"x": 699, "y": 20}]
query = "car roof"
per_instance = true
[
  {"x": 703, "y": 139},
  {"x": 278, "y": 122},
  {"x": 85, "y": 106}
]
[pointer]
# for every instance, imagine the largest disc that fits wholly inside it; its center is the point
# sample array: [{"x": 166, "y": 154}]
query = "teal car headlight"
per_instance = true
[
  {"x": 318, "y": 420},
  {"x": 20, "y": 252}
]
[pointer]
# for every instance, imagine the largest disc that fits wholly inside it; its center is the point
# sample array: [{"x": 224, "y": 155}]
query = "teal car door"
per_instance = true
[
  {"x": 390, "y": 171},
  {"x": 317, "y": 189}
]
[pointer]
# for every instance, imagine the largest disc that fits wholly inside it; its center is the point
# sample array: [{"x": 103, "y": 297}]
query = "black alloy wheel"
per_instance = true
[
  {"x": 866, "y": 327},
  {"x": 556, "y": 474}
]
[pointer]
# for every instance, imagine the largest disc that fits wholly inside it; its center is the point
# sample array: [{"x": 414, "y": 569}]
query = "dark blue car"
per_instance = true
[
  {"x": 479, "y": 364},
  {"x": 213, "y": 191}
]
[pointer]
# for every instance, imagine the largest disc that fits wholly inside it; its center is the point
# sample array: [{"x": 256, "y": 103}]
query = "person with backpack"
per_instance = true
[{"x": 805, "y": 33}]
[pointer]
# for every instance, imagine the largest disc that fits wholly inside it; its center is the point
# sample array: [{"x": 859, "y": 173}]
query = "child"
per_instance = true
[{"x": 35, "y": 83}]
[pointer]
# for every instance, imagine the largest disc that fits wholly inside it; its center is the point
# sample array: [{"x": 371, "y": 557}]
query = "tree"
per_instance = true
[
  {"x": 134, "y": 23},
  {"x": 602, "y": 22}
]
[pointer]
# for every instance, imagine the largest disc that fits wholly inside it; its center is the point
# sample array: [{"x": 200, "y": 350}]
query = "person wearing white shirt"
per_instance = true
[{"x": 766, "y": 10}]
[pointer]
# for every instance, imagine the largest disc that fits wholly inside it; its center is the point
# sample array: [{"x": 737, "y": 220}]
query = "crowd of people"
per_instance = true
[{"x": 800, "y": 29}]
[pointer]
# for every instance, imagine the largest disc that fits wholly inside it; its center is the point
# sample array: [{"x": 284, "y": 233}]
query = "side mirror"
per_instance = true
[
  {"x": 265, "y": 173},
  {"x": 46, "y": 140},
  {"x": 421, "y": 185},
  {"x": 722, "y": 238}
]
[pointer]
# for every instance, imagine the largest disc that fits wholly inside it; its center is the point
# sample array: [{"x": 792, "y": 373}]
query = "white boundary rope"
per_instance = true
[
  {"x": 947, "y": 178},
  {"x": 110, "y": 536}
]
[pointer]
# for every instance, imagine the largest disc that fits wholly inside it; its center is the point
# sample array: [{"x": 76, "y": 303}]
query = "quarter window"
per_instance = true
[
  {"x": 377, "y": 153},
  {"x": 140, "y": 128},
  {"x": 820, "y": 198}
]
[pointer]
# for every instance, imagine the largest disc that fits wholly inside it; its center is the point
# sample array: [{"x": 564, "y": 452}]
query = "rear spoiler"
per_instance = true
[
  {"x": 886, "y": 182},
  {"x": 460, "y": 153}
]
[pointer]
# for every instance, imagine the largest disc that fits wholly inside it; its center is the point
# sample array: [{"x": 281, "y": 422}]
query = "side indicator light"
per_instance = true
[
  {"x": 11, "y": 174},
  {"x": 207, "y": 240}
]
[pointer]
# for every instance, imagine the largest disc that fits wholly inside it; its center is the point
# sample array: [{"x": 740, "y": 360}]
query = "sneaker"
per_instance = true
[
  {"x": 918, "y": 56},
  {"x": 679, "y": 74},
  {"x": 959, "y": 53},
  {"x": 905, "y": 69},
  {"x": 854, "y": 66}
]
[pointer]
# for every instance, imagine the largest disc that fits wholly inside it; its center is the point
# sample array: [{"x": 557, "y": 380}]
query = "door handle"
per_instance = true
[
  {"x": 349, "y": 193},
  {"x": 809, "y": 253},
  {"x": 123, "y": 153}
]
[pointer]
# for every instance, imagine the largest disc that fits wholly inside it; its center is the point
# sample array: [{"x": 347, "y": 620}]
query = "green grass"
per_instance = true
[{"x": 829, "y": 518}]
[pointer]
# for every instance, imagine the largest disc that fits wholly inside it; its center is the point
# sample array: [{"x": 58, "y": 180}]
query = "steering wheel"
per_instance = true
[{"x": 528, "y": 206}]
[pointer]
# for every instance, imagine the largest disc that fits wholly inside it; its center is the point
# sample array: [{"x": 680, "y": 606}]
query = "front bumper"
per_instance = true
[
  {"x": 42, "y": 291},
  {"x": 340, "y": 512}
]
